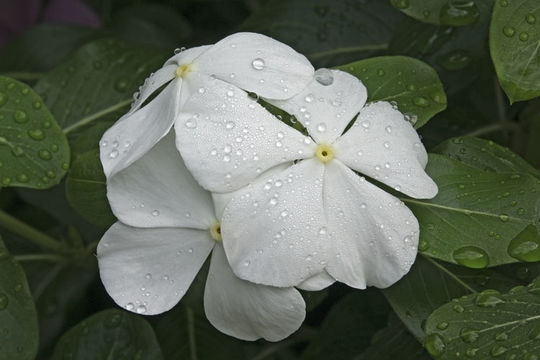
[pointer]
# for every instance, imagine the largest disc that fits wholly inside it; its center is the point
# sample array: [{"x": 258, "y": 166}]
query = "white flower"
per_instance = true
[
  {"x": 317, "y": 215},
  {"x": 168, "y": 229},
  {"x": 250, "y": 61}
]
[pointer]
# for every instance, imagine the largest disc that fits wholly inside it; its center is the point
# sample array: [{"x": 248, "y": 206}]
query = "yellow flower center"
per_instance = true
[
  {"x": 183, "y": 70},
  {"x": 215, "y": 231},
  {"x": 324, "y": 153}
]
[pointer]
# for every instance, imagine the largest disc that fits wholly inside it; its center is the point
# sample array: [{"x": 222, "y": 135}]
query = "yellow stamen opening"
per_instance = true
[
  {"x": 183, "y": 70},
  {"x": 215, "y": 231},
  {"x": 324, "y": 153}
]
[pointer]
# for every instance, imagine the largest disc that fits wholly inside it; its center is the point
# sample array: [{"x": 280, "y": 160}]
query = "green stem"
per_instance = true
[
  {"x": 31, "y": 234},
  {"x": 39, "y": 257}
]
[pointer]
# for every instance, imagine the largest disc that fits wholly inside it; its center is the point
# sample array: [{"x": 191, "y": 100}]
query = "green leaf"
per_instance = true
[
  {"x": 97, "y": 82},
  {"x": 514, "y": 41},
  {"x": 327, "y": 32},
  {"x": 410, "y": 83},
  {"x": 488, "y": 325},
  {"x": 185, "y": 334},
  {"x": 430, "y": 284},
  {"x": 34, "y": 152},
  {"x": 476, "y": 214},
  {"x": 18, "y": 316},
  {"x": 109, "y": 334},
  {"x": 454, "y": 12},
  {"x": 86, "y": 189},
  {"x": 348, "y": 327},
  {"x": 394, "y": 342},
  {"x": 32, "y": 50}
]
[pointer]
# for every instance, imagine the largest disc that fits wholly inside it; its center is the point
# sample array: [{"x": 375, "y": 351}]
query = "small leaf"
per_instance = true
[
  {"x": 86, "y": 189},
  {"x": 476, "y": 213},
  {"x": 410, "y": 83},
  {"x": 430, "y": 284},
  {"x": 353, "y": 320},
  {"x": 514, "y": 41},
  {"x": 444, "y": 12},
  {"x": 97, "y": 82},
  {"x": 34, "y": 152},
  {"x": 109, "y": 334},
  {"x": 18, "y": 316},
  {"x": 489, "y": 325}
]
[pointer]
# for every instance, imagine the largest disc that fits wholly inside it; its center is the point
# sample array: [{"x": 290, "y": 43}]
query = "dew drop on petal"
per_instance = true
[{"x": 258, "y": 64}]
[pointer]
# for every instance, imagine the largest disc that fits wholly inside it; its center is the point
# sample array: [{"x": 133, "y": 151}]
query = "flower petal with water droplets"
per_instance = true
[
  {"x": 227, "y": 139},
  {"x": 385, "y": 147},
  {"x": 259, "y": 64},
  {"x": 132, "y": 136},
  {"x": 149, "y": 270},
  {"x": 326, "y": 110},
  {"x": 187, "y": 56},
  {"x": 317, "y": 282},
  {"x": 158, "y": 191},
  {"x": 374, "y": 235},
  {"x": 274, "y": 230},
  {"x": 249, "y": 311}
]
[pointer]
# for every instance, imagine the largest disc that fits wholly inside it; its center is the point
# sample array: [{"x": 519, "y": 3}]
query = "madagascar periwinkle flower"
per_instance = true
[{"x": 150, "y": 257}]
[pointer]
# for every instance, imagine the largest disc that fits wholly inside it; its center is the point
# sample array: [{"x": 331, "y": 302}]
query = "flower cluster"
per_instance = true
[{"x": 204, "y": 168}]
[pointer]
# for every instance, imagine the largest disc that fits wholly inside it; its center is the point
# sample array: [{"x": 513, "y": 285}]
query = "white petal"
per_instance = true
[
  {"x": 149, "y": 270},
  {"x": 317, "y": 282},
  {"x": 228, "y": 139},
  {"x": 158, "y": 191},
  {"x": 257, "y": 63},
  {"x": 274, "y": 231},
  {"x": 375, "y": 236},
  {"x": 131, "y": 137},
  {"x": 327, "y": 105},
  {"x": 249, "y": 311},
  {"x": 385, "y": 147}
]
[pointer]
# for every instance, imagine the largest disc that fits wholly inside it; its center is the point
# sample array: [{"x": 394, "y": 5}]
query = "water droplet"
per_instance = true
[
  {"x": 489, "y": 298},
  {"x": 509, "y": 31},
  {"x": 121, "y": 85},
  {"x": 202, "y": 90},
  {"x": 501, "y": 336},
  {"x": 323, "y": 230},
  {"x": 503, "y": 217},
  {"x": 321, "y": 127},
  {"x": 525, "y": 248},
  {"x": 20, "y": 117},
  {"x": 524, "y": 36},
  {"x": 442, "y": 325},
  {"x": 459, "y": 13},
  {"x": 421, "y": 101},
  {"x": 471, "y": 352},
  {"x": 435, "y": 345},
  {"x": 36, "y": 134},
  {"x": 468, "y": 335},
  {"x": 400, "y": 4},
  {"x": 258, "y": 64},
  {"x": 113, "y": 154},
  {"x": 191, "y": 123},
  {"x": 45, "y": 154},
  {"x": 454, "y": 60},
  {"x": 365, "y": 124},
  {"x": 498, "y": 350},
  {"x": 531, "y": 19},
  {"x": 141, "y": 309},
  {"x": 4, "y": 301},
  {"x": 155, "y": 213},
  {"x": 471, "y": 256},
  {"x": 423, "y": 245},
  {"x": 324, "y": 77},
  {"x": 388, "y": 129},
  {"x": 148, "y": 276}
]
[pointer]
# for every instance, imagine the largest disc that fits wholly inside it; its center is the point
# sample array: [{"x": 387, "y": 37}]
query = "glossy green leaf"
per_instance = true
[
  {"x": 34, "y": 152},
  {"x": 353, "y": 320},
  {"x": 109, "y": 334},
  {"x": 327, "y": 32},
  {"x": 514, "y": 41},
  {"x": 488, "y": 325},
  {"x": 185, "y": 334},
  {"x": 18, "y": 316},
  {"x": 86, "y": 189},
  {"x": 394, "y": 342},
  {"x": 476, "y": 214},
  {"x": 97, "y": 82},
  {"x": 410, "y": 83},
  {"x": 445, "y": 12},
  {"x": 430, "y": 284}
]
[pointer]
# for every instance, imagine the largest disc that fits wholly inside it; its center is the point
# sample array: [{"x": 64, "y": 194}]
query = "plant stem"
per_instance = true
[
  {"x": 31, "y": 234},
  {"x": 39, "y": 257}
]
